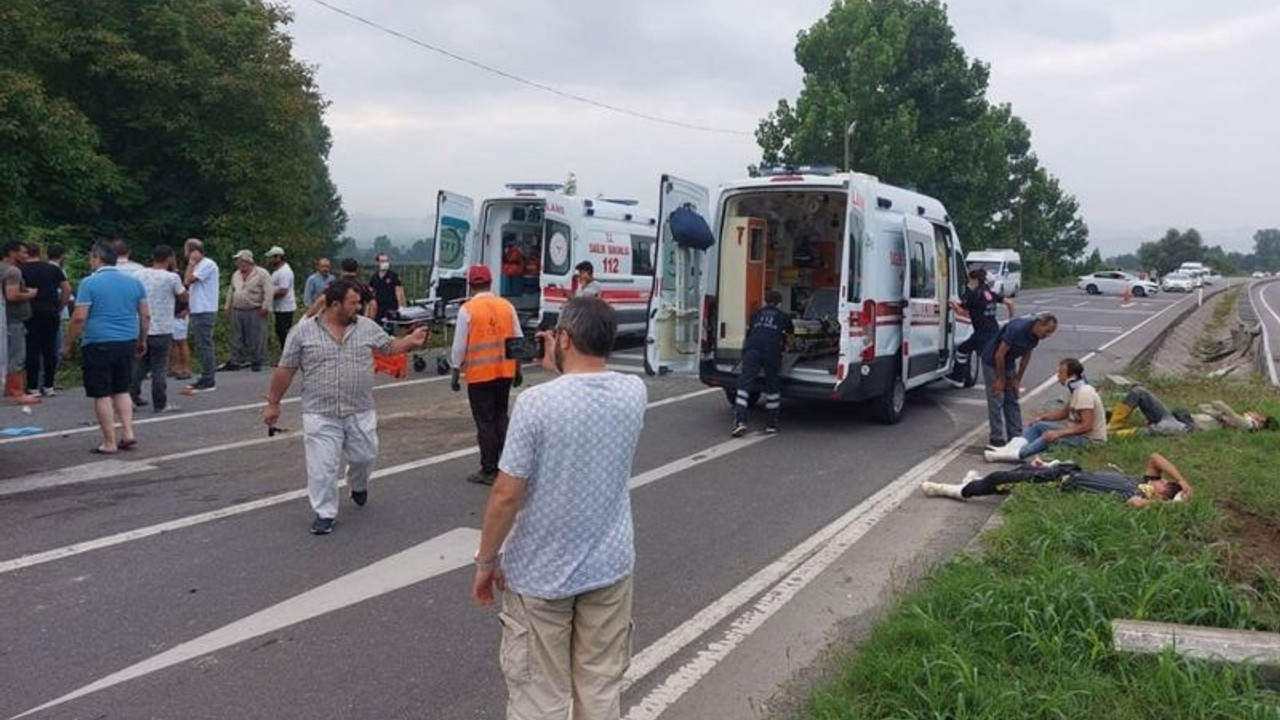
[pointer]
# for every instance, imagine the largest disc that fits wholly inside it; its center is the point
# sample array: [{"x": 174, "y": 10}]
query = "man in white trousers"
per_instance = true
[{"x": 334, "y": 350}]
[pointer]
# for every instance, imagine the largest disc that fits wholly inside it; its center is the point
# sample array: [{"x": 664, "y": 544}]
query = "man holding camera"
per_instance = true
[
  {"x": 485, "y": 323},
  {"x": 334, "y": 350},
  {"x": 562, "y": 506}
]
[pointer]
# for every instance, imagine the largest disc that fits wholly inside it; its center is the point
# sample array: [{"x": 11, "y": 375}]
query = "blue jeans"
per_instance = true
[
  {"x": 1004, "y": 414},
  {"x": 1037, "y": 444}
]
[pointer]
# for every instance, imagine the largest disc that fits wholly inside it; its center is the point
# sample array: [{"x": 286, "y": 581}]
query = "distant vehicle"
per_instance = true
[
  {"x": 1197, "y": 271},
  {"x": 1177, "y": 282},
  {"x": 1114, "y": 282},
  {"x": 1260, "y": 274},
  {"x": 1212, "y": 278},
  {"x": 1003, "y": 266}
]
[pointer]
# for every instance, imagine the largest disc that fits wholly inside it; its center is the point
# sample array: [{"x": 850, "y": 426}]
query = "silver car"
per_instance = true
[{"x": 1177, "y": 282}]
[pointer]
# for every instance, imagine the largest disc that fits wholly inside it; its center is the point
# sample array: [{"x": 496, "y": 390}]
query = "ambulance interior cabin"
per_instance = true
[
  {"x": 792, "y": 242},
  {"x": 518, "y": 226}
]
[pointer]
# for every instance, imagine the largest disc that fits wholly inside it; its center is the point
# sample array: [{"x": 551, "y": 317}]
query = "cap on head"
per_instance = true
[
  {"x": 245, "y": 255},
  {"x": 275, "y": 251},
  {"x": 479, "y": 275}
]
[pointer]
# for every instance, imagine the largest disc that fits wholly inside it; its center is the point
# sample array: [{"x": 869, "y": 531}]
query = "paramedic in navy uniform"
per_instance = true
[
  {"x": 766, "y": 338},
  {"x": 979, "y": 304}
]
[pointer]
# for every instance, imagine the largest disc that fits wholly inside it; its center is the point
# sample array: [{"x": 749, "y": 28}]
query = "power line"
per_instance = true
[{"x": 525, "y": 81}]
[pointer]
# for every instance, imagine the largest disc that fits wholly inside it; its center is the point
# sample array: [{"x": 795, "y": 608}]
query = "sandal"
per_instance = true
[
  {"x": 127, "y": 444},
  {"x": 100, "y": 451}
]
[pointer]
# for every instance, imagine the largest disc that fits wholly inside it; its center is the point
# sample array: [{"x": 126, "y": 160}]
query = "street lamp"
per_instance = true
[{"x": 847, "y": 134}]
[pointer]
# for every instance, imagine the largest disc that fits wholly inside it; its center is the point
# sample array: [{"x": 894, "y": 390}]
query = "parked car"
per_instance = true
[
  {"x": 1177, "y": 282},
  {"x": 1114, "y": 282}
]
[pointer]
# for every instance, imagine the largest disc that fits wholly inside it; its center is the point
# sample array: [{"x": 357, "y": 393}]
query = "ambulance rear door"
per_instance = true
[
  {"x": 675, "y": 323},
  {"x": 454, "y": 246}
]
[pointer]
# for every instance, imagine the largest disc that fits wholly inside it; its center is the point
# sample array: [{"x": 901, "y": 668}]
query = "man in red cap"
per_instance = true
[{"x": 485, "y": 323}]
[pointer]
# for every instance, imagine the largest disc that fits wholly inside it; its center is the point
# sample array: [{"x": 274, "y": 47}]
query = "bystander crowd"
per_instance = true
[
  {"x": 248, "y": 306},
  {"x": 201, "y": 279}
]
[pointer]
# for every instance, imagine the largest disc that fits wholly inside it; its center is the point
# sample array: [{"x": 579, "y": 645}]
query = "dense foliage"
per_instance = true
[
  {"x": 922, "y": 118},
  {"x": 156, "y": 120}
]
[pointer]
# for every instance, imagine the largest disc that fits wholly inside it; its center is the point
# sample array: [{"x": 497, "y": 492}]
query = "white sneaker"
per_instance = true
[
  {"x": 933, "y": 489},
  {"x": 739, "y": 430},
  {"x": 970, "y": 477}
]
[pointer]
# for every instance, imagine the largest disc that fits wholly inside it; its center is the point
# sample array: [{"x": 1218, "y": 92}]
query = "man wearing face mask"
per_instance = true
[
  {"x": 388, "y": 290},
  {"x": 334, "y": 350},
  {"x": 485, "y": 323}
]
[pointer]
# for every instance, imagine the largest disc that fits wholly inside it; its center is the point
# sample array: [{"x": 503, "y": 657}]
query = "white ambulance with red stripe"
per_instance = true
[
  {"x": 865, "y": 268},
  {"x": 533, "y": 236}
]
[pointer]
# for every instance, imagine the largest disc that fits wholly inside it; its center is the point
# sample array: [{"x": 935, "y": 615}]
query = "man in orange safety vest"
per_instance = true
[{"x": 485, "y": 323}]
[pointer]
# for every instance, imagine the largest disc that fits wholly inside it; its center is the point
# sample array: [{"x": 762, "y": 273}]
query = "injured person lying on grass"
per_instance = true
[{"x": 1161, "y": 480}]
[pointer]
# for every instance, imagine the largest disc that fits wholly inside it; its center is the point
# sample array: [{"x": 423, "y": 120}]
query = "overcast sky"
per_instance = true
[{"x": 1153, "y": 113}]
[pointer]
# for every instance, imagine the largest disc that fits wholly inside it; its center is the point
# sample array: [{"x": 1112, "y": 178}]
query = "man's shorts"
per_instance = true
[
  {"x": 179, "y": 329},
  {"x": 108, "y": 368}
]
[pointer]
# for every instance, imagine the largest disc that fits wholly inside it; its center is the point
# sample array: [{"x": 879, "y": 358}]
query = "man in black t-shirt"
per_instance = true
[
  {"x": 388, "y": 290},
  {"x": 767, "y": 333},
  {"x": 52, "y": 291},
  {"x": 979, "y": 304}
]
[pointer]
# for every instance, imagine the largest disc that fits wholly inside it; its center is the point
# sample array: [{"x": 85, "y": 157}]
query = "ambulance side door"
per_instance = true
[
  {"x": 452, "y": 250},
  {"x": 675, "y": 326},
  {"x": 921, "y": 317}
]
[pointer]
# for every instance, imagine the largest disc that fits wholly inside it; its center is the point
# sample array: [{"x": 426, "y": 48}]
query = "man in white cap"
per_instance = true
[
  {"x": 248, "y": 304},
  {"x": 286, "y": 302}
]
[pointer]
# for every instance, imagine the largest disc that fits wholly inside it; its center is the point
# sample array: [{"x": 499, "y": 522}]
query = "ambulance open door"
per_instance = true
[
  {"x": 675, "y": 324},
  {"x": 922, "y": 331},
  {"x": 453, "y": 250}
]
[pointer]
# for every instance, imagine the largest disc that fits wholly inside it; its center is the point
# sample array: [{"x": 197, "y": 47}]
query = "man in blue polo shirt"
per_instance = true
[
  {"x": 1014, "y": 342},
  {"x": 111, "y": 309}
]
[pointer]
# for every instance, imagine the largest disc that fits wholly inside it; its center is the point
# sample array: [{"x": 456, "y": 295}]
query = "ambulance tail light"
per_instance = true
[{"x": 867, "y": 322}]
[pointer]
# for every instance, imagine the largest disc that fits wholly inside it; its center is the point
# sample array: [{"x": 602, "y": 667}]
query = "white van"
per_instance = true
[
  {"x": 532, "y": 237},
  {"x": 866, "y": 268},
  {"x": 1003, "y": 266}
]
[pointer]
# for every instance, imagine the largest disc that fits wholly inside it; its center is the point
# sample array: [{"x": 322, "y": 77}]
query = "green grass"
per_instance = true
[{"x": 1023, "y": 632}]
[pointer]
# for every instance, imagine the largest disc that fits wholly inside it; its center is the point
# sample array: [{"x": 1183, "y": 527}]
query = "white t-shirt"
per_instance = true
[
  {"x": 204, "y": 291},
  {"x": 163, "y": 289},
  {"x": 573, "y": 440},
  {"x": 283, "y": 278},
  {"x": 1086, "y": 396}
]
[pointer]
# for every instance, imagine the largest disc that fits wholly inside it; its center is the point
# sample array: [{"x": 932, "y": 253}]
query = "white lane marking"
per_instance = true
[
  {"x": 1107, "y": 329},
  {"x": 171, "y": 417},
  {"x": 715, "y": 452},
  {"x": 70, "y": 475},
  {"x": 965, "y": 401},
  {"x": 67, "y": 551},
  {"x": 788, "y": 575},
  {"x": 1266, "y": 336},
  {"x": 437, "y": 556},
  {"x": 1080, "y": 304}
]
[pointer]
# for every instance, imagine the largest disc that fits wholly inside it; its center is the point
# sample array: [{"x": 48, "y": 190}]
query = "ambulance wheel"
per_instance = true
[
  {"x": 442, "y": 365},
  {"x": 889, "y": 406},
  {"x": 974, "y": 370},
  {"x": 419, "y": 364}
]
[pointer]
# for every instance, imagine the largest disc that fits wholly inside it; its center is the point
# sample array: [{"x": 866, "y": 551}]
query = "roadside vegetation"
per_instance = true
[{"x": 1023, "y": 631}]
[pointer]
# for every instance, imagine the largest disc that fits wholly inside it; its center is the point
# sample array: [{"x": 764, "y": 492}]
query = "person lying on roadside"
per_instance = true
[
  {"x": 1214, "y": 415},
  {"x": 1080, "y": 421},
  {"x": 1161, "y": 481}
]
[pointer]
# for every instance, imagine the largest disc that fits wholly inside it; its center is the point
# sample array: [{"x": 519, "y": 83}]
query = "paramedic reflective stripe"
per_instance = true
[
  {"x": 772, "y": 401},
  {"x": 488, "y": 327}
]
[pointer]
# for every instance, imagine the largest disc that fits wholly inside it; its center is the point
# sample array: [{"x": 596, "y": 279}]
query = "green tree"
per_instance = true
[
  {"x": 894, "y": 68},
  {"x": 1266, "y": 249},
  {"x": 190, "y": 117},
  {"x": 1167, "y": 253}
]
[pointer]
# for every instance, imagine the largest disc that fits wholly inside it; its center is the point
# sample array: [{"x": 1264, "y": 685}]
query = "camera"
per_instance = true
[{"x": 525, "y": 349}]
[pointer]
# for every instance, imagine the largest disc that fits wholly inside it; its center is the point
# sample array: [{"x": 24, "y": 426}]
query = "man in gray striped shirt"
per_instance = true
[{"x": 334, "y": 350}]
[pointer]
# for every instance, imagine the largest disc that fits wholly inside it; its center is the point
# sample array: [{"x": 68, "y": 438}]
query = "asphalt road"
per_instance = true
[{"x": 179, "y": 580}]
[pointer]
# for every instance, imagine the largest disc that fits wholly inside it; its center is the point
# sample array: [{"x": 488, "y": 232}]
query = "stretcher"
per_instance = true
[{"x": 440, "y": 317}]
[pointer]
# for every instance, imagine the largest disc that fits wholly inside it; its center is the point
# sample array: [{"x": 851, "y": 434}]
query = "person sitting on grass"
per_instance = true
[
  {"x": 1080, "y": 421},
  {"x": 1161, "y": 481},
  {"x": 1160, "y": 421}
]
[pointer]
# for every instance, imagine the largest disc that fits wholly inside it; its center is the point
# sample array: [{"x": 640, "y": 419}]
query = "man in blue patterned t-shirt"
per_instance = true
[{"x": 562, "y": 505}]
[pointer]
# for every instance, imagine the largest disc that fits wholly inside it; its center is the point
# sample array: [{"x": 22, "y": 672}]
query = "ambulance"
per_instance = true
[
  {"x": 865, "y": 268},
  {"x": 533, "y": 236}
]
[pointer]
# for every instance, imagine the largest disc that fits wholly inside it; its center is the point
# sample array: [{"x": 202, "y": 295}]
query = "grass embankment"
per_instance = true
[{"x": 1023, "y": 632}]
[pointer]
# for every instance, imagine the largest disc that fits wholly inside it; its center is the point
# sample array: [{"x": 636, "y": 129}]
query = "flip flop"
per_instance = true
[
  {"x": 127, "y": 444},
  {"x": 100, "y": 451}
]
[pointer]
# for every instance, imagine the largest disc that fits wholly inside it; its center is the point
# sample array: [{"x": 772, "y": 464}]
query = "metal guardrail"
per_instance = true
[{"x": 1249, "y": 315}]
